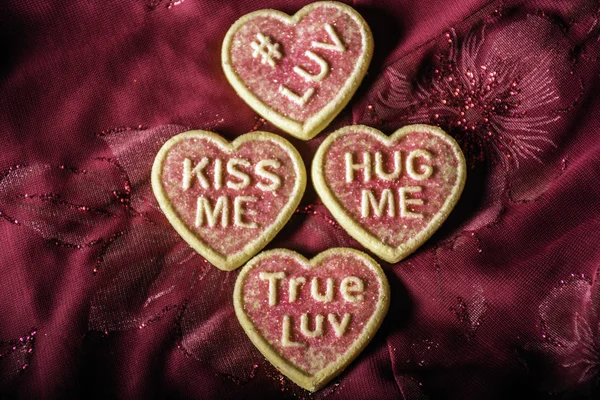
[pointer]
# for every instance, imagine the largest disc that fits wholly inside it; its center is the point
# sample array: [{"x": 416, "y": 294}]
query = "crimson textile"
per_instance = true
[{"x": 100, "y": 297}]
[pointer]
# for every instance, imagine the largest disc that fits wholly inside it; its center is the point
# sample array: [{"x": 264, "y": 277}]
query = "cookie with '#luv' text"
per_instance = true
[
  {"x": 228, "y": 200},
  {"x": 311, "y": 318},
  {"x": 389, "y": 193},
  {"x": 298, "y": 71}
]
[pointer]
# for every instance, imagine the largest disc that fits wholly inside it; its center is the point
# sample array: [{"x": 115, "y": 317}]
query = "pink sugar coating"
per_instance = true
[
  {"x": 230, "y": 239},
  {"x": 294, "y": 41},
  {"x": 268, "y": 319},
  {"x": 435, "y": 190}
]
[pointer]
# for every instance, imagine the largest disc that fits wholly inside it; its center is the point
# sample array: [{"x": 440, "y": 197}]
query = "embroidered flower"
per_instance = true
[
  {"x": 570, "y": 321},
  {"x": 496, "y": 93}
]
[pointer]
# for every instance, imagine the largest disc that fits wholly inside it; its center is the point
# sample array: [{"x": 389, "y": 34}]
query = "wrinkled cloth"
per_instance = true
[{"x": 101, "y": 298}]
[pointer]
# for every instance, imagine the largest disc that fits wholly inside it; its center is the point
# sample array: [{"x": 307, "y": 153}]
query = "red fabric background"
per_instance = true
[{"x": 99, "y": 297}]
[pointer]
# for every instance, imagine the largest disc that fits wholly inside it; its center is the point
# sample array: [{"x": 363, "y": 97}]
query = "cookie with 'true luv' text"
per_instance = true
[
  {"x": 228, "y": 200},
  {"x": 298, "y": 71},
  {"x": 311, "y": 318},
  {"x": 389, "y": 193}
]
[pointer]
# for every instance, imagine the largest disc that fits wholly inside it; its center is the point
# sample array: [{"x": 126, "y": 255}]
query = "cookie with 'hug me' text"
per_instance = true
[
  {"x": 389, "y": 193},
  {"x": 228, "y": 200}
]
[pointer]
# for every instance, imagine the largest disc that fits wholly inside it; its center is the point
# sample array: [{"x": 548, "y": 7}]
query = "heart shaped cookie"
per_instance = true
[
  {"x": 389, "y": 193},
  {"x": 228, "y": 200},
  {"x": 298, "y": 71},
  {"x": 311, "y": 318}
]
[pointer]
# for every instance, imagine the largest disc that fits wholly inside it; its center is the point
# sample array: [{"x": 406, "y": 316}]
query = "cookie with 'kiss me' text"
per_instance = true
[{"x": 228, "y": 200}]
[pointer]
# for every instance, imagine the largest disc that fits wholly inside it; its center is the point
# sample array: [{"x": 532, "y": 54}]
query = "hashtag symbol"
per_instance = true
[{"x": 268, "y": 51}]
